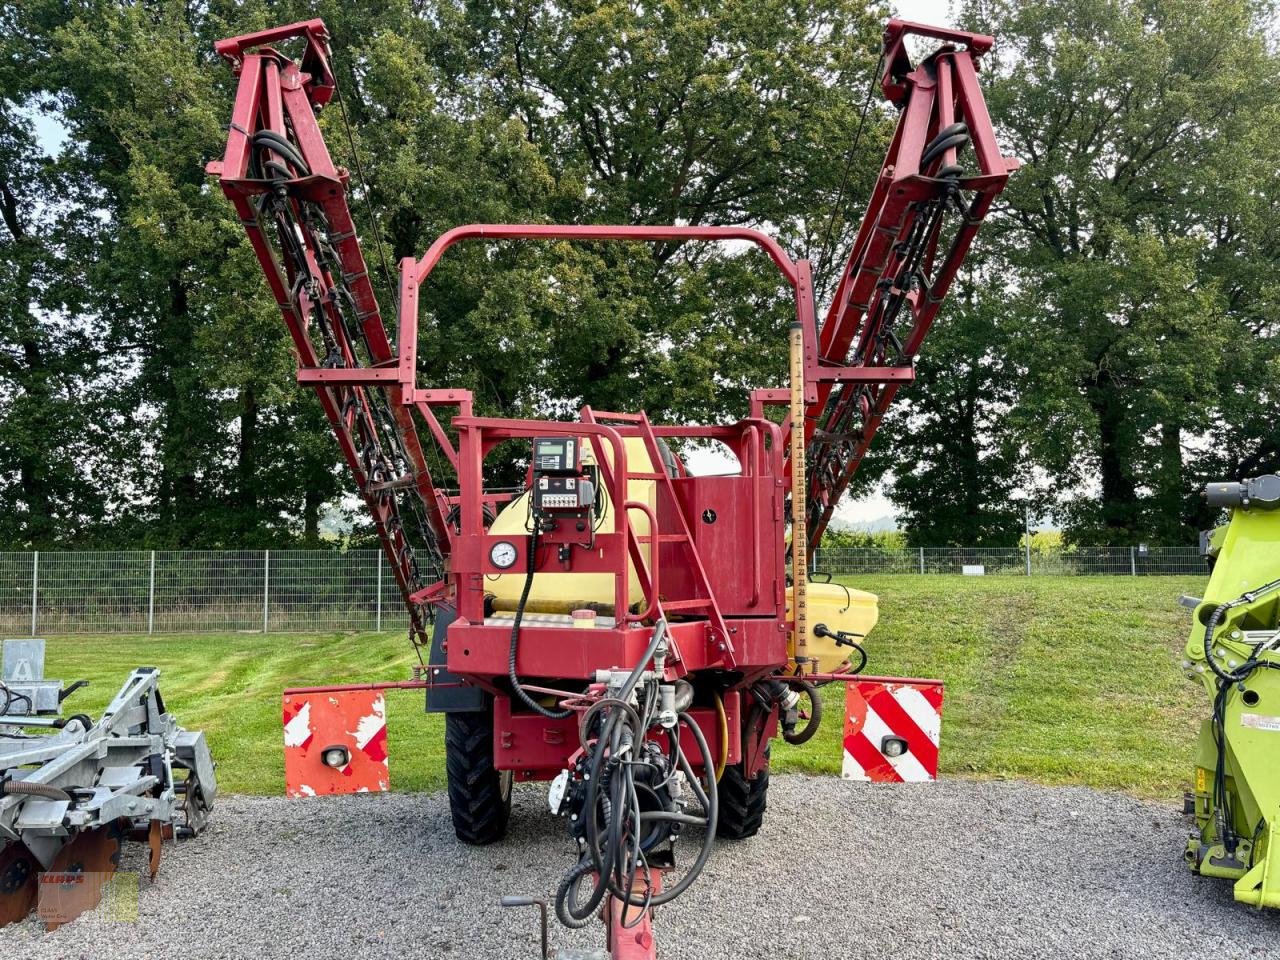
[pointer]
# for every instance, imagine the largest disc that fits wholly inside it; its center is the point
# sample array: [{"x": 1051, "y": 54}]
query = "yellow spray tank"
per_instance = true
[
  {"x": 561, "y": 593},
  {"x": 840, "y": 609}
]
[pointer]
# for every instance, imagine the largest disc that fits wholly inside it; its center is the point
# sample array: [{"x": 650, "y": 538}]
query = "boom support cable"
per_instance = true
[
  {"x": 364, "y": 187},
  {"x": 844, "y": 176}
]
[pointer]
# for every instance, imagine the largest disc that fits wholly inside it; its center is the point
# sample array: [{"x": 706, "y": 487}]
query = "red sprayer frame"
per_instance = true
[
  {"x": 718, "y": 586},
  {"x": 854, "y": 363}
]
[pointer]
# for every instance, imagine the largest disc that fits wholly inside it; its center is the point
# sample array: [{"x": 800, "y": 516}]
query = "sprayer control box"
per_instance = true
[
  {"x": 563, "y": 493},
  {"x": 562, "y": 485}
]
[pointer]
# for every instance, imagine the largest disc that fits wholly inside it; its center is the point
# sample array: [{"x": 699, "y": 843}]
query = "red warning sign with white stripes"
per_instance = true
[
  {"x": 891, "y": 730},
  {"x": 335, "y": 741}
]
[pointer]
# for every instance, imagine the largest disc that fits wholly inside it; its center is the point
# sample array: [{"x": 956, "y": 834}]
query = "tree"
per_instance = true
[
  {"x": 1120, "y": 233},
  {"x": 52, "y": 423},
  {"x": 736, "y": 113},
  {"x": 575, "y": 112},
  {"x": 959, "y": 470}
]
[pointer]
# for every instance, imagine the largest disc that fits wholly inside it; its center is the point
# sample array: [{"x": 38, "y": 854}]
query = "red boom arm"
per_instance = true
[{"x": 925, "y": 210}]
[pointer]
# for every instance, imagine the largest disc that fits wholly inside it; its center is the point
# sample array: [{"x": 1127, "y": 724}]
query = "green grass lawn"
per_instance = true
[{"x": 1057, "y": 679}]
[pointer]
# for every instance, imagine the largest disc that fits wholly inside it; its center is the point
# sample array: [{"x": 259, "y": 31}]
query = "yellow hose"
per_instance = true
[{"x": 724, "y": 737}]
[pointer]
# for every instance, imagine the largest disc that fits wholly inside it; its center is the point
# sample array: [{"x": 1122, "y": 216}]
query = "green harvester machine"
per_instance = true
[{"x": 1234, "y": 650}]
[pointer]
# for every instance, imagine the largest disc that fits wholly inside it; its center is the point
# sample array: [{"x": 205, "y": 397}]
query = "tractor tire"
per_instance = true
[
  {"x": 479, "y": 795},
  {"x": 742, "y": 802}
]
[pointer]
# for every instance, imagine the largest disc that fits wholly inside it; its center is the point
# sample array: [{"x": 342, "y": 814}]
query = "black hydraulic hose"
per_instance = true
[
  {"x": 669, "y": 816},
  {"x": 806, "y": 733},
  {"x": 567, "y": 910},
  {"x": 593, "y": 799},
  {"x": 622, "y": 728},
  {"x": 1209, "y": 629},
  {"x": 943, "y": 142},
  {"x": 1215, "y": 620},
  {"x": 610, "y": 736},
  {"x": 659, "y": 632},
  {"x": 607, "y": 737},
  {"x": 25, "y": 788},
  {"x": 271, "y": 140},
  {"x": 713, "y": 815},
  {"x": 279, "y": 168},
  {"x": 606, "y": 703},
  {"x": 862, "y": 657},
  {"x": 597, "y": 860},
  {"x": 519, "y": 691}
]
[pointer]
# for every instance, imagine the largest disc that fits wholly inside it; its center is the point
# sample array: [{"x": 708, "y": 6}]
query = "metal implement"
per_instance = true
[
  {"x": 71, "y": 789},
  {"x": 1234, "y": 652},
  {"x": 618, "y": 625}
]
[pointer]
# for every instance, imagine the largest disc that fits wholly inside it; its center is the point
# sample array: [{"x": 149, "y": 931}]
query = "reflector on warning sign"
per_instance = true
[
  {"x": 335, "y": 742},
  {"x": 891, "y": 731}
]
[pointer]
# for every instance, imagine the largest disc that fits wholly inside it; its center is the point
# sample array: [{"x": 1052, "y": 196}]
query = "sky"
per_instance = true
[{"x": 935, "y": 13}]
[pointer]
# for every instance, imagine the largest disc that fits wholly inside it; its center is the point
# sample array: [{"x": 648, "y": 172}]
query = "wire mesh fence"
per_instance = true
[
  {"x": 196, "y": 591},
  {"x": 203, "y": 591},
  {"x": 1016, "y": 561}
]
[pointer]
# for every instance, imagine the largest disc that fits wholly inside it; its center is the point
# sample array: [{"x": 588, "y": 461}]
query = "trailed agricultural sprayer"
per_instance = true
[
  {"x": 632, "y": 632},
  {"x": 1234, "y": 650}
]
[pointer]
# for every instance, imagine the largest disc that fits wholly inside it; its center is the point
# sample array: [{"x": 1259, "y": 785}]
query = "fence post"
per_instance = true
[
  {"x": 1028, "y": 556},
  {"x": 378, "y": 621},
  {"x": 922, "y": 560},
  {"x": 151, "y": 597},
  {"x": 35, "y": 587},
  {"x": 1133, "y": 561},
  {"x": 266, "y": 587}
]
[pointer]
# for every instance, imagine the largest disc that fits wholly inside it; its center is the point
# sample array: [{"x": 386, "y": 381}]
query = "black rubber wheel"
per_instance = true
[
  {"x": 479, "y": 795},
  {"x": 742, "y": 802}
]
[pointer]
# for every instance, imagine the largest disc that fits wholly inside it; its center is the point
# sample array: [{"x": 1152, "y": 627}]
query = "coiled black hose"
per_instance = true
[
  {"x": 607, "y": 855},
  {"x": 270, "y": 140},
  {"x": 806, "y": 733},
  {"x": 612, "y": 797},
  {"x": 955, "y": 135}
]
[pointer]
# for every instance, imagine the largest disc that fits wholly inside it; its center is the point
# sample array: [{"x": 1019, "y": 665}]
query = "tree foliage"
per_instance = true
[
  {"x": 1131, "y": 269},
  {"x": 1115, "y": 346},
  {"x": 148, "y": 382}
]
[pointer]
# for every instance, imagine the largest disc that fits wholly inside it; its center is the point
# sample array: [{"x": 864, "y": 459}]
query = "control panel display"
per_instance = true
[
  {"x": 562, "y": 486},
  {"x": 555, "y": 455}
]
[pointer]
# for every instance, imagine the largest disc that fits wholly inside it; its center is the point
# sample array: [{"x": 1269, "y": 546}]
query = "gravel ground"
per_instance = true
[{"x": 956, "y": 869}]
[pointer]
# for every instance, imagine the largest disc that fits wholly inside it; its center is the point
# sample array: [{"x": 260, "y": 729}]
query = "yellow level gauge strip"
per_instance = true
[{"x": 799, "y": 521}]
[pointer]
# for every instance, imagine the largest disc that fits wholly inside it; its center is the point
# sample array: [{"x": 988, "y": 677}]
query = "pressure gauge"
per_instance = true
[{"x": 503, "y": 554}]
